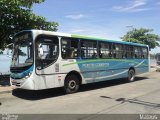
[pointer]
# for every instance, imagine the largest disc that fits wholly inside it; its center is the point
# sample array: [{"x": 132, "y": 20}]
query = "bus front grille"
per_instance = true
[{"x": 16, "y": 84}]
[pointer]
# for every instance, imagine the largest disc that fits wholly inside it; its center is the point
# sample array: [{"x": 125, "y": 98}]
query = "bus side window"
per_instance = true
[
  {"x": 144, "y": 52},
  {"x": 105, "y": 50},
  {"x": 118, "y": 51},
  {"x": 137, "y": 52},
  {"x": 70, "y": 48},
  {"x": 49, "y": 46},
  {"x": 88, "y": 49}
]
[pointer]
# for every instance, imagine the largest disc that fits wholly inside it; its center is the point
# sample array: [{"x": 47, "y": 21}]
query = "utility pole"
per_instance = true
[{"x": 130, "y": 27}]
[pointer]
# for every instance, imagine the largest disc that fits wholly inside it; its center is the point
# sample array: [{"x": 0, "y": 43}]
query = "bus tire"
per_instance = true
[
  {"x": 131, "y": 75},
  {"x": 71, "y": 84}
]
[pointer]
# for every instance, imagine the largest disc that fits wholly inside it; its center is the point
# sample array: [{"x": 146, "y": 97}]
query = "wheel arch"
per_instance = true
[
  {"x": 76, "y": 74},
  {"x": 132, "y": 68}
]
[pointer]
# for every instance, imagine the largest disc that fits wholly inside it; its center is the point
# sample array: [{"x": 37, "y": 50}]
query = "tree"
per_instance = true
[
  {"x": 143, "y": 36},
  {"x": 16, "y": 15}
]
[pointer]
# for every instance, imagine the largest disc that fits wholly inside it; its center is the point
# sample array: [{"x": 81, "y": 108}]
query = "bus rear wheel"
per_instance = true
[
  {"x": 71, "y": 84},
  {"x": 131, "y": 75}
]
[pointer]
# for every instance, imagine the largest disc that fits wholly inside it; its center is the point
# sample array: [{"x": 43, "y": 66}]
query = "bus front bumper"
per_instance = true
[{"x": 22, "y": 83}]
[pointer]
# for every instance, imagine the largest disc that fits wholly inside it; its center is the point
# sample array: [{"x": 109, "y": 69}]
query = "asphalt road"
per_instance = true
[{"x": 111, "y": 97}]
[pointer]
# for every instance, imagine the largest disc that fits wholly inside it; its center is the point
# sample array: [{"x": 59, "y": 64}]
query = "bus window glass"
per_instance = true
[
  {"x": 137, "y": 52},
  {"x": 23, "y": 50},
  {"x": 128, "y": 51},
  {"x": 49, "y": 45},
  {"x": 70, "y": 48},
  {"x": 88, "y": 49},
  {"x": 144, "y": 52},
  {"x": 117, "y": 51},
  {"x": 105, "y": 50}
]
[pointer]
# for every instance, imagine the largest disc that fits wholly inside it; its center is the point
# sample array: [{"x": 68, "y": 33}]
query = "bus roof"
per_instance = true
[
  {"x": 84, "y": 37},
  {"x": 103, "y": 39}
]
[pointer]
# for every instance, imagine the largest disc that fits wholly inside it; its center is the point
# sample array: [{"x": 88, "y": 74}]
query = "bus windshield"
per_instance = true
[{"x": 23, "y": 50}]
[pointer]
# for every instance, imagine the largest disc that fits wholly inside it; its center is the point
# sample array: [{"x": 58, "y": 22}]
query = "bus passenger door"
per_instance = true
[{"x": 46, "y": 54}]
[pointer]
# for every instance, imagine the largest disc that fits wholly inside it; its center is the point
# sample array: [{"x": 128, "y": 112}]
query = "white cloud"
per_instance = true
[
  {"x": 134, "y": 6},
  {"x": 92, "y": 30},
  {"x": 75, "y": 17},
  {"x": 77, "y": 30},
  {"x": 141, "y": 9}
]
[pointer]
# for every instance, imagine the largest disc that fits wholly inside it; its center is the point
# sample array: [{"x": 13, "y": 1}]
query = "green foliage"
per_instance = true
[
  {"x": 16, "y": 15},
  {"x": 143, "y": 36}
]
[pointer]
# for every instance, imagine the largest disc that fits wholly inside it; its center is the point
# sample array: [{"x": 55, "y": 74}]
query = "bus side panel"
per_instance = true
[
  {"x": 143, "y": 67},
  {"x": 44, "y": 81},
  {"x": 66, "y": 66},
  {"x": 100, "y": 70}
]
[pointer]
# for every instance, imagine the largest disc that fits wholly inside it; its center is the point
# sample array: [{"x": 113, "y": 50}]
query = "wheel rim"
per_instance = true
[
  {"x": 131, "y": 75},
  {"x": 72, "y": 84}
]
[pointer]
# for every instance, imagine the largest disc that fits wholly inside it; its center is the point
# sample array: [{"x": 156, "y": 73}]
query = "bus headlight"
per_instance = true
[{"x": 29, "y": 74}]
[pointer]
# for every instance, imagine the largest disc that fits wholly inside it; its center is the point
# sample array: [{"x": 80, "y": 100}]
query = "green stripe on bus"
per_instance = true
[{"x": 87, "y": 37}]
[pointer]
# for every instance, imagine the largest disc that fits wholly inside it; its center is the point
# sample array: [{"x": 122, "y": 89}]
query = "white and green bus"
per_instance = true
[{"x": 45, "y": 59}]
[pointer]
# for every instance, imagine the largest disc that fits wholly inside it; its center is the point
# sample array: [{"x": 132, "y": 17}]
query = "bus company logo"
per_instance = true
[
  {"x": 9, "y": 117},
  {"x": 148, "y": 117},
  {"x": 96, "y": 65}
]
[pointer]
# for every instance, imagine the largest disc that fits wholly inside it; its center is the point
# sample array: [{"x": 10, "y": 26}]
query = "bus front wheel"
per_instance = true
[
  {"x": 131, "y": 75},
  {"x": 71, "y": 84}
]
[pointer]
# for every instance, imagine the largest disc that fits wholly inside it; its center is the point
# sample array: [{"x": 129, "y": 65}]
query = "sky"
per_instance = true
[{"x": 101, "y": 18}]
